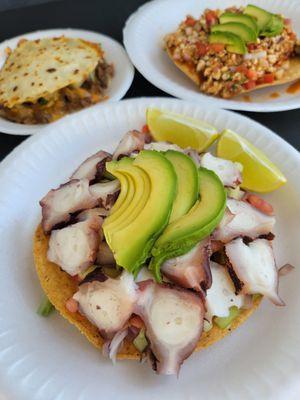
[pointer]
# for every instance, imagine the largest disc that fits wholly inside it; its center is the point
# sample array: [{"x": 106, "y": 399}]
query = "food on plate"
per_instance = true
[
  {"x": 259, "y": 174},
  {"x": 237, "y": 50},
  {"x": 165, "y": 257},
  {"x": 44, "y": 79},
  {"x": 180, "y": 129}
]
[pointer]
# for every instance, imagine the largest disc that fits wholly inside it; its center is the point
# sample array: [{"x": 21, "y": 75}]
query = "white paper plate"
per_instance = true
[
  {"x": 48, "y": 359},
  {"x": 143, "y": 38},
  {"x": 114, "y": 53}
]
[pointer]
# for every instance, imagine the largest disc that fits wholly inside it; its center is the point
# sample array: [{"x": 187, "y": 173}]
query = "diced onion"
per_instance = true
[
  {"x": 116, "y": 343},
  {"x": 258, "y": 55}
]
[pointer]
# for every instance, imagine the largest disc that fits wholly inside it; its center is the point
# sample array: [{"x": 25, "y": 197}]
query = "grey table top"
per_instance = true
[{"x": 109, "y": 17}]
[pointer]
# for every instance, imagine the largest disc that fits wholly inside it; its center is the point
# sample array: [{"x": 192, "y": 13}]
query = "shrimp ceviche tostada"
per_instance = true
[
  {"x": 237, "y": 50},
  {"x": 161, "y": 248}
]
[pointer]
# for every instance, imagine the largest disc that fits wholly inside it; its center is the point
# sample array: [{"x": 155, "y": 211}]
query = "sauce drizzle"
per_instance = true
[
  {"x": 247, "y": 98},
  {"x": 274, "y": 95},
  {"x": 294, "y": 87}
]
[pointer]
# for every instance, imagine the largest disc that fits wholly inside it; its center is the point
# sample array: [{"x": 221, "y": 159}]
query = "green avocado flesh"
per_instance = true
[
  {"x": 125, "y": 195},
  {"x": 224, "y": 322},
  {"x": 275, "y": 27},
  {"x": 182, "y": 235},
  {"x": 241, "y": 30},
  {"x": 234, "y": 44},
  {"x": 262, "y": 16},
  {"x": 187, "y": 183},
  {"x": 140, "y": 186},
  {"x": 132, "y": 233},
  {"x": 241, "y": 18}
]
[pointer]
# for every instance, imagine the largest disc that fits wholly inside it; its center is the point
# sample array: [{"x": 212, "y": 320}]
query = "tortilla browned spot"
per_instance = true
[
  {"x": 292, "y": 74},
  {"x": 59, "y": 287}
]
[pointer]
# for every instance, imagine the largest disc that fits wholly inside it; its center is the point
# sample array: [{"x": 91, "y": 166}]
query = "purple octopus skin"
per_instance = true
[
  {"x": 191, "y": 270},
  {"x": 173, "y": 318},
  {"x": 93, "y": 167},
  {"x": 74, "y": 248}
]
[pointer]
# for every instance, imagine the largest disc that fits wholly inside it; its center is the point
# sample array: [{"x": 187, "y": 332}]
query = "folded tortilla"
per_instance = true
[
  {"x": 40, "y": 67},
  {"x": 59, "y": 287},
  {"x": 292, "y": 74}
]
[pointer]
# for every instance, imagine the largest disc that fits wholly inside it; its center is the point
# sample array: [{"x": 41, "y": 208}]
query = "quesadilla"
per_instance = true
[{"x": 44, "y": 79}]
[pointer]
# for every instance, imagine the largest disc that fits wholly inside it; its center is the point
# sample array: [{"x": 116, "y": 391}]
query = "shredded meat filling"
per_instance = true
[{"x": 64, "y": 101}]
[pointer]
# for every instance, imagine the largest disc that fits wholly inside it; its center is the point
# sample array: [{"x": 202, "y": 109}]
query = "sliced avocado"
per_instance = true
[
  {"x": 224, "y": 322},
  {"x": 181, "y": 235},
  {"x": 126, "y": 191},
  {"x": 262, "y": 16},
  {"x": 275, "y": 27},
  {"x": 132, "y": 244},
  {"x": 241, "y": 18},
  {"x": 241, "y": 30},
  {"x": 234, "y": 44},
  {"x": 142, "y": 187},
  {"x": 187, "y": 183}
]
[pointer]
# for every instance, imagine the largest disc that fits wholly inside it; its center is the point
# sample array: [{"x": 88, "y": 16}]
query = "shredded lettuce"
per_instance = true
[
  {"x": 140, "y": 342},
  {"x": 45, "y": 307},
  {"x": 224, "y": 322},
  {"x": 236, "y": 193}
]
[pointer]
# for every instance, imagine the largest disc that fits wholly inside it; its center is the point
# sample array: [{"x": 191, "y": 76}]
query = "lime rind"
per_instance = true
[{"x": 268, "y": 176}]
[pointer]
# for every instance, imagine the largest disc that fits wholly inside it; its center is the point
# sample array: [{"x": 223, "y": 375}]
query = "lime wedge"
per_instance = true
[
  {"x": 259, "y": 173},
  {"x": 181, "y": 130}
]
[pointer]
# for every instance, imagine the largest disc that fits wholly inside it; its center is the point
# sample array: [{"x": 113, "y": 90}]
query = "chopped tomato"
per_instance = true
[
  {"x": 136, "y": 321},
  {"x": 268, "y": 78},
  {"x": 287, "y": 21},
  {"x": 76, "y": 278},
  {"x": 190, "y": 21},
  {"x": 249, "y": 85},
  {"x": 251, "y": 74},
  {"x": 202, "y": 48},
  {"x": 217, "y": 47},
  {"x": 145, "y": 129},
  {"x": 259, "y": 203},
  {"x": 211, "y": 17},
  {"x": 242, "y": 69},
  {"x": 72, "y": 305},
  {"x": 260, "y": 81},
  {"x": 251, "y": 46}
]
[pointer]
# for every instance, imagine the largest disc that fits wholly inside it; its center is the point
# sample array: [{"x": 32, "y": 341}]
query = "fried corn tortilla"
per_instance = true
[
  {"x": 292, "y": 74},
  {"x": 59, "y": 287}
]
